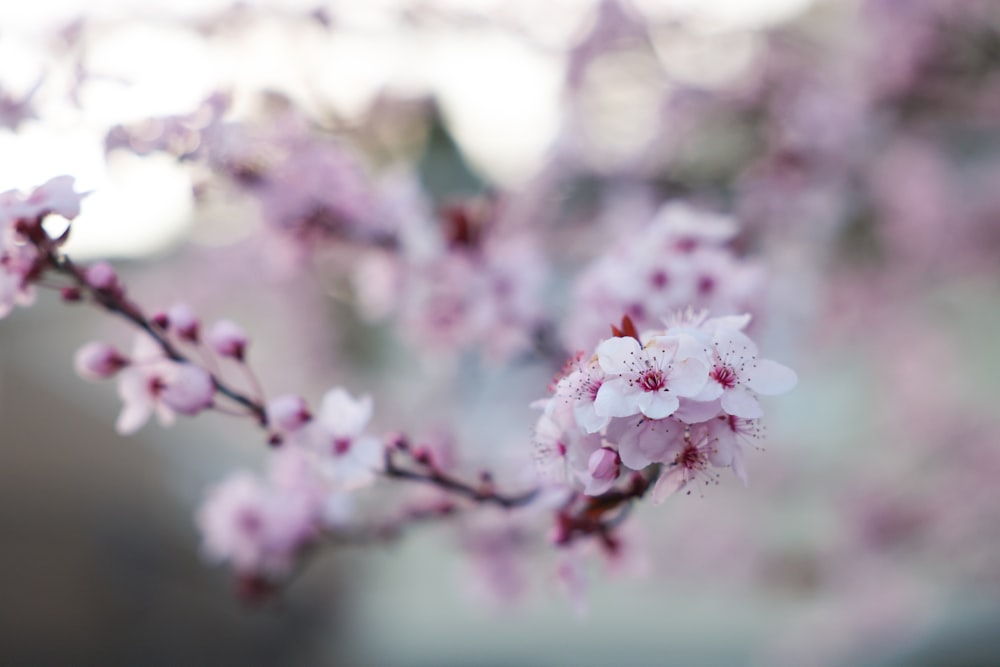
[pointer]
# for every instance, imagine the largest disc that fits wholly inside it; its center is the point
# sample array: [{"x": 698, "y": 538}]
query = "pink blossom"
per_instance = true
[
  {"x": 336, "y": 435},
  {"x": 580, "y": 388},
  {"x": 56, "y": 196},
  {"x": 562, "y": 449},
  {"x": 732, "y": 436},
  {"x": 155, "y": 384},
  {"x": 102, "y": 276},
  {"x": 647, "y": 379},
  {"x": 737, "y": 373},
  {"x": 183, "y": 321},
  {"x": 260, "y": 527},
  {"x": 288, "y": 413},
  {"x": 692, "y": 459},
  {"x": 228, "y": 339},
  {"x": 98, "y": 361},
  {"x": 603, "y": 468},
  {"x": 642, "y": 441},
  {"x": 16, "y": 263}
]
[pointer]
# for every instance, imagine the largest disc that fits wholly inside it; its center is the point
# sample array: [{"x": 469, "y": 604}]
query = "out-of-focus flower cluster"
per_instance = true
[{"x": 839, "y": 177}]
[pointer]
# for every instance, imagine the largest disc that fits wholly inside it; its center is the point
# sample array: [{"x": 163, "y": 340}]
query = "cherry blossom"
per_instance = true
[
  {"x": 737, "y": 374},
  {"x": 153, "y": 384},
  {"x": 259, "y": 526},
  {"x": 693, "y": 456},
  {"x": 336, "y": 435},
  {"x": 288, "y": 413},
  {"x": 646, "y": 378},
  {"x": 227, "y": 339},
  {"x": 98, "y": 361}
]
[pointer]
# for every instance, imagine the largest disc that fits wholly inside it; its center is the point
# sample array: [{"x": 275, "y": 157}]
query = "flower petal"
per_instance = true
[
  {"x": 670, "y": 482},
  {"x": 740, "y": 402},
  {"x": 613, "y": 400},
  {"x": 688, "y": 377},
  {"x": 616, "y": 355},
  {"x": 769, "y": 377},
  {"x": 657, "y": 404}
]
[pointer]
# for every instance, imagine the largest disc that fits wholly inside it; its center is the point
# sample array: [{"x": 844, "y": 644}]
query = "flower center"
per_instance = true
[
  {"x": 652, "y": 380},
  {"x": 725, "y": 376},
  {"x": 250, "y": 521},
  {"x": 156, "y": 385},
  {"x": 691, "y": 458},
  {"x": 341, "y": 446}
]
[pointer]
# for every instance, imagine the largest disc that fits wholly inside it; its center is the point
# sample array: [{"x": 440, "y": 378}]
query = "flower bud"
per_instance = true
[
  {"x": 604, "y": 464},
  {"x": 288, "y": 413},
  {"x": 228, "y": 339},
  {"x": 102, "y": 276},
  {"x": 184, "y": 322},
  {"x": 98, "y": 361}
]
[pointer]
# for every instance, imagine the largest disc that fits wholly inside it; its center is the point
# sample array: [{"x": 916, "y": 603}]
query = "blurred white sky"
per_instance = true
[{"x": 140, "y": 206}]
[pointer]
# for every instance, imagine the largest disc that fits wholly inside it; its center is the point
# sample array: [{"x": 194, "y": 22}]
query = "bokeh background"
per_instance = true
[{"x": 856, "y": 142}]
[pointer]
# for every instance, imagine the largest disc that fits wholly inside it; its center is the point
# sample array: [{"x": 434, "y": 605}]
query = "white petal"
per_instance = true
[
  {"x": 739, "y": 402},
  {"x": 688, "y": 377},
  {"x": 657, "y": 404},
  {"x": 692, "y": 411},
  {"x": 369, "y": 453},
  {"x": 735, "y": 322},
  {"x": 739, "y": 469},
  {"x": 691, "y": 348},
  {"x": 629, "y": 449},
  {"x": 344, "y": 416},
  {"x": 670, "y": 482},
  {"x": 588, "y": 419},
  {"x": 612, "y": 401},
  {"x": 770, "y": 378},
  {"x": 615, "y": 355},
  {"x": 734, "y": 347},
  {"x": 133, "y": 416}
]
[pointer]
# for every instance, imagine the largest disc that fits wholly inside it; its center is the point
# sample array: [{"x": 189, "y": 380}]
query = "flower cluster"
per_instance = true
[
  {"x": 679, "y": 259},
  {"x": 20, "y": 228},
  {"x": 459, "y": 282},
  {"x": 683, "y": 397},
  {"x": 156, "y": 377}
]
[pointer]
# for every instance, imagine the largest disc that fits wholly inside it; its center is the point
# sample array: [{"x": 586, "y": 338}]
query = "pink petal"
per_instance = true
[
  {"x": 733, "y": 346},
  {"x": 739, "y": 469},
  {"x": 611, "y": 401},
  {"x": 657, "y": 404},
  {"x": 190, "y": 390},
  {"x": 693, "y": 411},
  {"x": 133, "y": 416},
  {"x": 670, "y": 482},
  {"x": 739, "y": 402},
  {"x": 344, "y": 416},
  {"x": 688, "y": 377},
  {"x": 770, "y": 378},
  {"x": 588, "y": 419},
  {"x": 615, "y": 354}
]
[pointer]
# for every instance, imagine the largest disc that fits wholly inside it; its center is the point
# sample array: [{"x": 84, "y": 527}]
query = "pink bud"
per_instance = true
[
  {"x": 70, "y": 294},
  {"x": 161, "y": 320},
  {"x": 102, "y": 276},
  {"x": 228, "y": 339},
  {"x": 604, "y": 464},
  {"x": 98, "y": 361},
  {"x": 189, "y": 391},
  {"x": 184, "y": 322},
  {"x": 288, "y": 413}
]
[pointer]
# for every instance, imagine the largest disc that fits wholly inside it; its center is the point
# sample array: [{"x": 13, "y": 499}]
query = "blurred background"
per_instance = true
[{"x": 856, "y": 143}]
